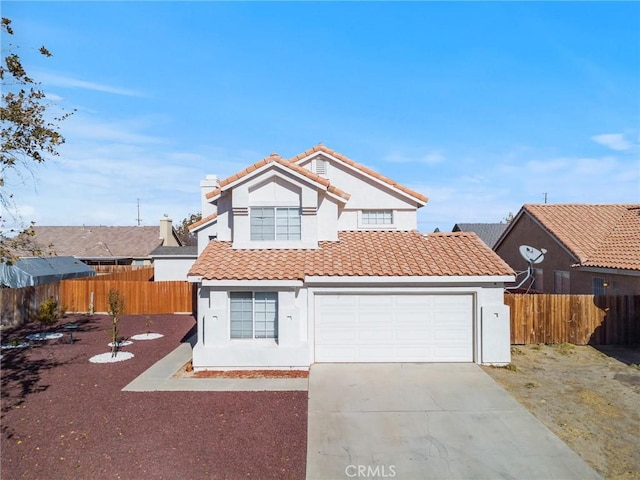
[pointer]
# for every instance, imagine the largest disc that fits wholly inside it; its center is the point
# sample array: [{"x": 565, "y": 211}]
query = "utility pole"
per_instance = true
[
  {"x": 139, "y": 220},
  {"x": 545, "y": 197}
]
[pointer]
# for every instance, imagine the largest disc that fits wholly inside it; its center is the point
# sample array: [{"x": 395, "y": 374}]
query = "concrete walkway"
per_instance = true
[
  {"x": 160, "y": 377},
  {"x": 431, "y": 421}
]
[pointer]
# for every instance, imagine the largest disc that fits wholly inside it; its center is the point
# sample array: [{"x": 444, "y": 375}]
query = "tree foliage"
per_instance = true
[
  {"x": 28, "y": 135},
  {"x": 182, "y": 230}
]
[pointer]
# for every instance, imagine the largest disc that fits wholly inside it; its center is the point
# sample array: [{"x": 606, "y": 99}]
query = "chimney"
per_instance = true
[
  {"x": 166, "y": 233},
  {"x": 209, "y": 184}
]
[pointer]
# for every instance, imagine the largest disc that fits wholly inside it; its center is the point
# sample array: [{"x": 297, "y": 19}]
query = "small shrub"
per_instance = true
[
  {"x": 48, "y": 313},
  {"x": 565, "y": 348},
  {"x": 116, "y": 304},
  {"x": 530, "y": 385},
  {"x": 512, "y": 367},
  {"x": 148, "y": 322}
]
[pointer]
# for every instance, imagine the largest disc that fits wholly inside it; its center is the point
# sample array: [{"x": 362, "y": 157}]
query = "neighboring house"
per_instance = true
[
  {"x": 489, "y": 233},
  {"x": 31, "y": 271},
  {"x": 317, "y": 259},
  {"x": 590, "y": 249},
  {"x": 98, "y": 245},
  {"x": 173, "y": 263}
]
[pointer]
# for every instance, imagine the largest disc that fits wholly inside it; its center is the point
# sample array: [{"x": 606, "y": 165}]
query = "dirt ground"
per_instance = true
[{"x": 588, "y": 397}]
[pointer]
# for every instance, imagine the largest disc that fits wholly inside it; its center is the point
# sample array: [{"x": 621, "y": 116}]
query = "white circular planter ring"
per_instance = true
[
  {"x": 43, "y": 336},
  {"x": 19, "y": 345},
  {"x": 109, "y": 358},
  {"x": 147, "y": 336},
  {"x": 124, "y": 343}
]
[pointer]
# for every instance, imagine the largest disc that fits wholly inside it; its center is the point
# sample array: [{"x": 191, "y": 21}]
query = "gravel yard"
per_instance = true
[
  {"x": 64, "y": 417},
  {"x": 588, "y": 397}
]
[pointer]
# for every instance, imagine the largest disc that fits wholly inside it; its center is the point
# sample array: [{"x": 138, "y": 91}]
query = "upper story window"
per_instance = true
[
  {"x": 377, "y": 217},
  {"x": 275, "y": 223}
]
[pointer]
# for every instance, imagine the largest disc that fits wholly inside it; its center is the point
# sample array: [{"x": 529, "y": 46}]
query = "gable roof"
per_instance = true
[
  {"x": 356, "y": 253},
  {"x": 277, "y": 159},
  {"x": 99, "y": 242},
  {"x": 321, "y": 148},
  {"x": 489, "y": 233},
  {"x": 606, "y": 236}
]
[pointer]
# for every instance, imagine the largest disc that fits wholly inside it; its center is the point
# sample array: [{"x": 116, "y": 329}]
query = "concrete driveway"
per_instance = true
[{"x": 432, "y": 421}]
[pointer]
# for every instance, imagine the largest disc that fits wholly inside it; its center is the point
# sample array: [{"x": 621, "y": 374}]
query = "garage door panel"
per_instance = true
[{"x": 388, "y": 328}]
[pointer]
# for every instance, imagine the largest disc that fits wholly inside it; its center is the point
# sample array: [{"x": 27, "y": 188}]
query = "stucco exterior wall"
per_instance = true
[
  {"x": 296, "y": 325},
  {"x": 171, "y": 269}
]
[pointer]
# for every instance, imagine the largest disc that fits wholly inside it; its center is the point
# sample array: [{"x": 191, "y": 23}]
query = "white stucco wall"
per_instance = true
[
  {"x": 296, "y": 323},
  {"x": 168, "y": 269}
]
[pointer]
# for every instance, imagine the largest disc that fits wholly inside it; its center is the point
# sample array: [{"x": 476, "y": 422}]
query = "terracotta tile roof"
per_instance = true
[
  {"x": 321, "y": 148},
  {"x": 621, "y": 248},
  {"x": 362, "y": 253},
  {"x": 99, "y": 242},
  {"x": 274, "y": 157},
  {"x": 605, "y": 236},
  {"x": 202, "y": 221}
]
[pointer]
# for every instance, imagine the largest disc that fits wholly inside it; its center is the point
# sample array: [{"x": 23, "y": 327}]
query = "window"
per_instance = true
[
  {"x": 538, "y": 286},
  {"x": 377, "y": 217},
  {"x": 598, "y": 286},
  {"x": 560, "y": 281},
  {"x": 254, "y": 314},
  {"x": 275, "y": 223}
]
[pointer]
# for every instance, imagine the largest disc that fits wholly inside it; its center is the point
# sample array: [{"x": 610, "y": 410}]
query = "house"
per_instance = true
[
  {"x": 589, "y": 249},
  {"x": 31, "y": 271},
  {"x": 173, "y": 263},
  {"x": 317, "y": 259},
  {"x": 489, "y": 233},
  {"x": 101, "y": 245}
]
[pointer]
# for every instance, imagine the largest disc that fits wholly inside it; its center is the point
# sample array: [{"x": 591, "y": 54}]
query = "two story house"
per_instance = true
[{"x": 318, "y": 259}]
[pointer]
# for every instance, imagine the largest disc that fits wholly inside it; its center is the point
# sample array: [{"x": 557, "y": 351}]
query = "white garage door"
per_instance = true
[{"x": 394, "y": 328}]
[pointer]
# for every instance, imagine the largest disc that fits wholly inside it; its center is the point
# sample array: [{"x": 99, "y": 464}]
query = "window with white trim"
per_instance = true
[
  {"x": 275, "y": 223},
  {"x": 377, "y": 217},
  {"x": 254, "y": 314}
]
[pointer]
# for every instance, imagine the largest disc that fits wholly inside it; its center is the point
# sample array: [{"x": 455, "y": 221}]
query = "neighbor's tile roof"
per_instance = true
[
  {"x": 606, "y": 236},
  {"x": 275, "y": 158},
  {"x": 361, "y": 253},
  {"x": 321, "y": 148},
  {"x": 99, "y": 242}
]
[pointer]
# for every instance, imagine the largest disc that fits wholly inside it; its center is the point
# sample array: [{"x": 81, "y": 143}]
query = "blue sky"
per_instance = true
[{"x": 482, "y": 107}]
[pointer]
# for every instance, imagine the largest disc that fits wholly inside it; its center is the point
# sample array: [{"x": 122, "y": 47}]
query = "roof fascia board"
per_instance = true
[
  {"x": 361, "y": 172},
  {"x": 420, "y": 202},
  {"x": 610, "y": 271},
  {"x": 509, "y": 228},
  {"x": 513, "y": 223},
  {"x": 258, "y": 171},
  {"x": 204, "y": 225},
  {"x": 249, "y": 283},
  {"x": 462, "y": 279}
]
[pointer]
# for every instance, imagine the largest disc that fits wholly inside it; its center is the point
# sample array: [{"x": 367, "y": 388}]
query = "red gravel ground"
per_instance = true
[{"x": 66, "y": 418}]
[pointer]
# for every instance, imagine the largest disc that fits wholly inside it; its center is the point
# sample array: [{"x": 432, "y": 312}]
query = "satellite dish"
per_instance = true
[{"x": 531, "y": 254}]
